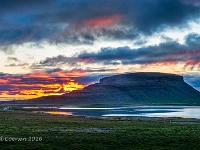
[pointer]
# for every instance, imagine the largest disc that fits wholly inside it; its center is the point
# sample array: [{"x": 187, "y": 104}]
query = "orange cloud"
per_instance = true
[
  {"x": 5, "y": 93},
  {"x": 73, "y": 73},
  {"x": 3, "y": 81},
  {"x": 39, "y": 84},
  {"x": 104, "y": 21},
  {"x": 71, "y": 86},
  {"x": 191, "y": 64}
]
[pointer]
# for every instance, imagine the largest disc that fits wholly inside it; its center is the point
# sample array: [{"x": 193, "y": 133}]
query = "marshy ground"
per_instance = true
[{"x": 25, "y": 130}]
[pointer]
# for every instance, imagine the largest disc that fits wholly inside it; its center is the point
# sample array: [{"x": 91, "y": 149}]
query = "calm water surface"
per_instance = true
[{"x": 136, "y": 111}]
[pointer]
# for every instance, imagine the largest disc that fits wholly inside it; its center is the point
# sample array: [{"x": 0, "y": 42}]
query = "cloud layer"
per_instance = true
[
  {"x": 39, "y": 84},
  {"x": 164, "y": 53},
  {"x": 77, "y": 23},
  {"x": 84, "y": 21}
]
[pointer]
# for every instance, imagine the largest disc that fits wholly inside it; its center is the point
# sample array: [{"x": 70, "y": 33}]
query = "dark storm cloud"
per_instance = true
[
  {"x": 60, "y": 59},
  {"x": 78, "y": 21},
  {"x": 167, "y": 52},
  {"x": 53, "y": 70},
  {"x": 193, "y": 39},
  {"x": 170, "y": 51}
]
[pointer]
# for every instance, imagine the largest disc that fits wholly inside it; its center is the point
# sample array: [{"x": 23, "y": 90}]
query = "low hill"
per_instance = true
[{"x": 129, "y": 89}]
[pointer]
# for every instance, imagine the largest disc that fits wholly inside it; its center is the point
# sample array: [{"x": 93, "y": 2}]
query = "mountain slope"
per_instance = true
[{"x": 130, "y": 89}]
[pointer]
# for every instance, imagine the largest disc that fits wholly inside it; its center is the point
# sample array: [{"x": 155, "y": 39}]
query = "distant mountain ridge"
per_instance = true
[{"x": 129, "y": 89}]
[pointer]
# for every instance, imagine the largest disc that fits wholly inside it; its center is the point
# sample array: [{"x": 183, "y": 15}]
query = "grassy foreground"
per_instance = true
[{"x": 42, "y": 131}]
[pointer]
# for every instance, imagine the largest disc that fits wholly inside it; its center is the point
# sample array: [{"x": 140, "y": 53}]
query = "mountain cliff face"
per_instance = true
[{"x": 130, "y": 89}]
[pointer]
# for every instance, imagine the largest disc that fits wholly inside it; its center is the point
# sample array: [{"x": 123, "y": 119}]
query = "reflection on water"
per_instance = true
[
  {"x": 134, "y": 111},
  {"x": 161, "y": 109},
  {"x": 59, "y": 113},
  {"x": 183, "y": 112},
  {"x": 34, "y": 107},
  {"x": 78, "y": 108}
]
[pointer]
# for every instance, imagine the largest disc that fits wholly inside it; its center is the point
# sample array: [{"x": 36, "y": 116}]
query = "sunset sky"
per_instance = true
[{"x": 50, "y": 47}]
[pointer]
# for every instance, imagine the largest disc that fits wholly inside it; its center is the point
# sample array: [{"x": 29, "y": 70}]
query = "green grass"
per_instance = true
[{"x": 59, "y": 132}]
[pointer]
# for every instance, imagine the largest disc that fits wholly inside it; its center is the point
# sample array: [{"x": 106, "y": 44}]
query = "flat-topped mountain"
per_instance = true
[
  {"x": 130, "y": 89},
  {"x": 140, "y": 79}
]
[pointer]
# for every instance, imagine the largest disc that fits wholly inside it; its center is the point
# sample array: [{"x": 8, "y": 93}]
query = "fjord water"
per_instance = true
[{"x": 136, "y": 111}]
